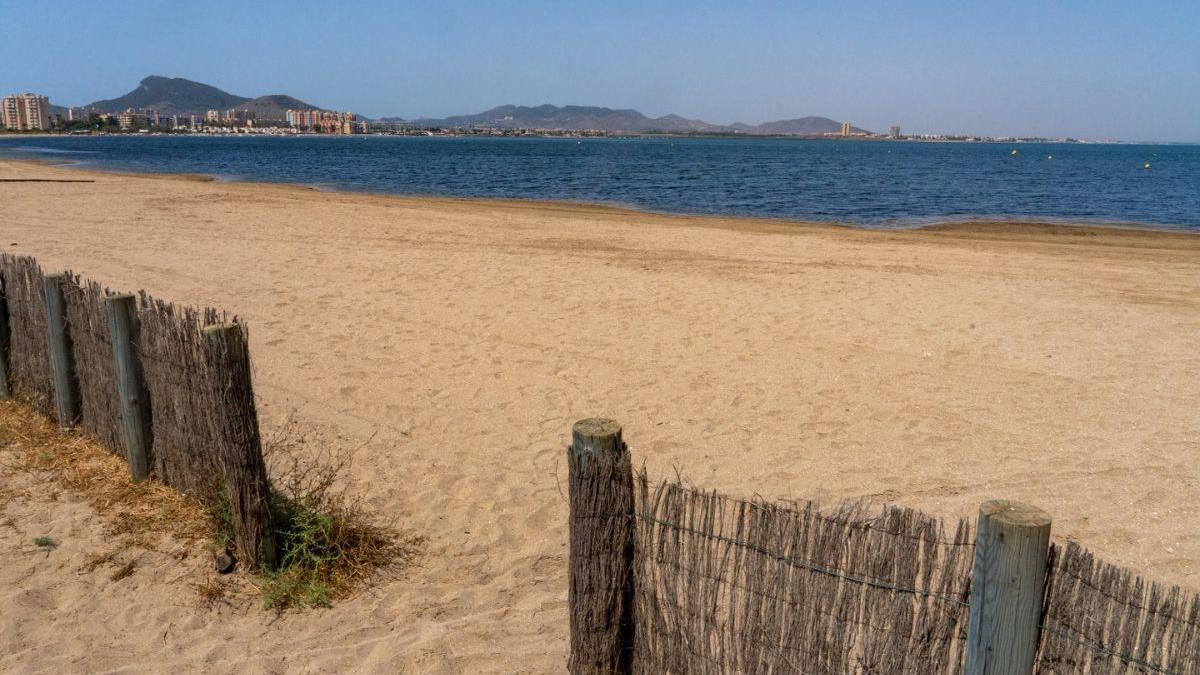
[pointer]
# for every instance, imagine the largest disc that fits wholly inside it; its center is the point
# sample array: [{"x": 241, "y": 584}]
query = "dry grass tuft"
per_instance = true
[
  {"x": 211, "y": 592},
  {"x": 329, "y": 545},
  {"x": 123, "y": 571},
  {"x": 98, "y": 560},
  {"x": 136, "y": 514}
]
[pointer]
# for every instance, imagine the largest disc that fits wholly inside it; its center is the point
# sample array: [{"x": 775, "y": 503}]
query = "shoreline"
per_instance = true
[{"x": 982, "y": 225}]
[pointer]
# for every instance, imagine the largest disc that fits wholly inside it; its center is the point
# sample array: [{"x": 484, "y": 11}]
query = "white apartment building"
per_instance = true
[{"x": 25, "y": 112}]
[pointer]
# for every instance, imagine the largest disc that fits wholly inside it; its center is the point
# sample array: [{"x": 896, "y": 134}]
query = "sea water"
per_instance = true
[{"x": 863, "y": 183}]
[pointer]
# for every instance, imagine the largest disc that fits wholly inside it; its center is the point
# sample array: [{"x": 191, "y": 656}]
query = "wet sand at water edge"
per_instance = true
[{"x": 457, "y": 340}]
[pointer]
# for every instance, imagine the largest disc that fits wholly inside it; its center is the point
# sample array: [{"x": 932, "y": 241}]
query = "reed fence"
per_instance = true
[
  {"x": 669, "y": 578},
  {"x": 165, "y": 386}
]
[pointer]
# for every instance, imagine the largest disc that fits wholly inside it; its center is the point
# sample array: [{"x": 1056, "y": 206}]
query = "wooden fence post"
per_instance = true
[
  {"x": 239, "y": 444},
  {"x": 62, "y": 358},
  {"x": 131, "y": 383},
  {"x": 1008, "y": 580},
  {"x": 5, "y": 341},
  {"x": 600, "y": 590}
]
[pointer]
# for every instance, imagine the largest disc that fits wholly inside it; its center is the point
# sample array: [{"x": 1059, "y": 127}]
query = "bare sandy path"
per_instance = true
[{"x": 935, "y": 369}]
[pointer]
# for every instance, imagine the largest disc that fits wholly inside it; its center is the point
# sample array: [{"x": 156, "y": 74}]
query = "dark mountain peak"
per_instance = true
[
  {"x": 172, "y": 96},
  {"x": 800, "y": 126},
  {"x": 282, "y": 99},
  {"x": 152, "y": 81},
  {"x": 181, "y": 96},
  {"x": 275, "y": 106},
  {"x": 598, "y": 111}
]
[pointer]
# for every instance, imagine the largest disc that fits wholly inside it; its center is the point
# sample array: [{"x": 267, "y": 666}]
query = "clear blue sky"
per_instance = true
[{"x": 1123, "y": 70}]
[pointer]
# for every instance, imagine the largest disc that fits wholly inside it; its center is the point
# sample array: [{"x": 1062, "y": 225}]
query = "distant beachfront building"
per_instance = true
[
  {"x": 845, "y": 129},
  {"x": 895, "y": 133},
  {"x": 132, "y": 117},
  {"x": 212, "y": 116},
  {"x": 182, "y": 122},
  {"x": 238, "y": 116},
  {"x": 26, "y": 112},
  {"x": 324, "y": 121},
  {"x": 300, "y": 119}
]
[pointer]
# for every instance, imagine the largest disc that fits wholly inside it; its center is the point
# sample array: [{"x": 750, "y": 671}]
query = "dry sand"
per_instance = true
[{"x": 934, "y": 368}]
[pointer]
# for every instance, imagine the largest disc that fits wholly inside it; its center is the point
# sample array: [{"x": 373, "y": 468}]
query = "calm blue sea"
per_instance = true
[{"x": 871, "y": 184}]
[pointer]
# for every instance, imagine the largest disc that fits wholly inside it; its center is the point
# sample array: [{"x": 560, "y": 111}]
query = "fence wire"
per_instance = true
[
  {"x": 29, "y": 349},
  {"x": 1100, "y": 618},
  {"x": 726, "y": 585},
  {"x": 95, "y": 369}
]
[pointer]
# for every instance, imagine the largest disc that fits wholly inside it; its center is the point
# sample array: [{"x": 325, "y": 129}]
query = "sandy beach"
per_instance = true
[{"x": 455, "y": 341}]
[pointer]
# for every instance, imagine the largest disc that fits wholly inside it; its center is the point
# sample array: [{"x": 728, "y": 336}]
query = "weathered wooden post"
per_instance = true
[
  {"x": 131, "y": 384},
  {"x": 5, "y": 341},
  {"x": 1008, "y": 580},
  {"x": 62, "y": 358},
  {"x": 600, "y": 591},
  {"x": 239, "y": 444}
]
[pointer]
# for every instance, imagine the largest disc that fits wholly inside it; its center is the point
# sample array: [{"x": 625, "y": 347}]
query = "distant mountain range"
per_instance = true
[
  {"x": 577, "y": 117},
  {"x": 179, "y": 96},
  {"x": 573, "y": 117}
]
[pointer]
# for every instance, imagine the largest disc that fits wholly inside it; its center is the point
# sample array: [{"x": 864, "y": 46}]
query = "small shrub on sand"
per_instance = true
[
  {"x": 327, "y": 543},
  {"x": 44, "y": 542}
]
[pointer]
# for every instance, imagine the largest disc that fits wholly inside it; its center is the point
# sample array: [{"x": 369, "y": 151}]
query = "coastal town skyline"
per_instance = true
[
  {"x": 33, "y": 112},
  {"x": 179, "y": 105},
  {"x": 1102, "y": 71}
]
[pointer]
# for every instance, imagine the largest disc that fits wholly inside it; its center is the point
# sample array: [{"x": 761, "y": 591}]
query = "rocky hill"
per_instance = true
[{"x": 179, "y": 96}]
